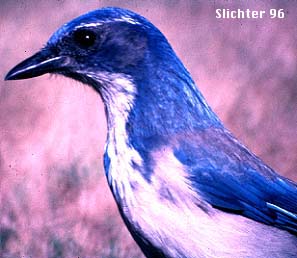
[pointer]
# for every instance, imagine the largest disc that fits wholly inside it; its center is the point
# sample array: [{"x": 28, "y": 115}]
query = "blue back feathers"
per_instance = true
[{"x": 232, "y": 179}]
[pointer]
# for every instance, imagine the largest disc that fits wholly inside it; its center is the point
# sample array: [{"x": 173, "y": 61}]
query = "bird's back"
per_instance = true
[{"x": 229, "y": 177}]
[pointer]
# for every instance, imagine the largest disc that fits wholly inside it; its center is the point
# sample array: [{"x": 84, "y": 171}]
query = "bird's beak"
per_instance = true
[{"x": 40, "y": 63}]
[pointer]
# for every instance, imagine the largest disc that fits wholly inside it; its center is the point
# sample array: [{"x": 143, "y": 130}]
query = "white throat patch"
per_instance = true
[{"x": 118, "y": 92}]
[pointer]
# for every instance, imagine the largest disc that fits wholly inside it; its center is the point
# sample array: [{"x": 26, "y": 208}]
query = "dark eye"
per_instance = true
[{"x": 84, "y": 38}]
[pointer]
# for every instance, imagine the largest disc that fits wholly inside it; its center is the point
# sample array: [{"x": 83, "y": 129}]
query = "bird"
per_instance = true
[{"x": 183, "y": 184}]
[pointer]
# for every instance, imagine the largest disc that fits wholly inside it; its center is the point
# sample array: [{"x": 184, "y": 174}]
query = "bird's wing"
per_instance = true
[{"x": 230, "y": 178}]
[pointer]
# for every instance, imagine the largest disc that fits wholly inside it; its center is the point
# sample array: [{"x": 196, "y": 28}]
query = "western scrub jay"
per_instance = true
[{"x": 184, "y": 185}]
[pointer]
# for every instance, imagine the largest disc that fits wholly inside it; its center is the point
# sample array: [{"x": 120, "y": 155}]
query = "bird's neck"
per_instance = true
[
  {"x": 168, "y": 104},
  {"x": 142, "y": 118},
  {"x": 149, "y": 185},
  {"x": 142, "y": 172},
  {"x": 118, "y": 97}
]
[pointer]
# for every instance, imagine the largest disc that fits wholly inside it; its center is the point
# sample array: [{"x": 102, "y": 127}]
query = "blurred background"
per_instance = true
[{"x": 54, "y": 199}]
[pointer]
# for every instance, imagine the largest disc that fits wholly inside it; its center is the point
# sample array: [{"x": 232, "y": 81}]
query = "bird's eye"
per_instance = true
[{"x": 84, "y": 38}]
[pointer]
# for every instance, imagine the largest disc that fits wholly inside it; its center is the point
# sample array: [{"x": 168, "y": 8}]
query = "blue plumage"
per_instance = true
[
  {"x": 184, "y": 185},
  {"x": 231, "y": 178}
]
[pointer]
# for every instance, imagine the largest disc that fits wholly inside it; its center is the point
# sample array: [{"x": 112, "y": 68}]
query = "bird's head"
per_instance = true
[
  {"x": 106, "y": 41},
  {"x": 129, "y": 62}
]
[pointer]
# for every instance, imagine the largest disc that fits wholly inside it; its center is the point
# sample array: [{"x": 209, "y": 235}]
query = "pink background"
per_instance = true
[{"x": 54, "y": 200}]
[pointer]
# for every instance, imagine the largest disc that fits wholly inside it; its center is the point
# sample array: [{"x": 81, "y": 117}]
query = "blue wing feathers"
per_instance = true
[{"x": 226, "y": 175}]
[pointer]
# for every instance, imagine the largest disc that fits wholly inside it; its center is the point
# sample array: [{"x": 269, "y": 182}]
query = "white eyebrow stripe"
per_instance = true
[
  {"x": 128, "y": 19},
  {"x": 121, "y": 19},
  {"x": 86, "y": 25}
]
